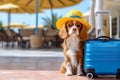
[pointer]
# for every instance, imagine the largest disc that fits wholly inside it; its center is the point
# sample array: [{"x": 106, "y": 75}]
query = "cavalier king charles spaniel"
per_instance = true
[{"x": 74, "y": 34}]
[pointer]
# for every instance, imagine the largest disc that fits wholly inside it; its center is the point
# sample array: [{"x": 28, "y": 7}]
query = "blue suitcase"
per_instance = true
[{"x": 102, "y": 57}]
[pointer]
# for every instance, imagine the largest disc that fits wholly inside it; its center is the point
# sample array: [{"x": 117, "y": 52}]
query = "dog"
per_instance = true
[
  {"x": 73, "y": 30},
  {"x": 74, "y": 34}
]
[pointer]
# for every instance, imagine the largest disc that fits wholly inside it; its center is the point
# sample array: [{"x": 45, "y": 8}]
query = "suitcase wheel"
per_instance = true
[
  {"x": 118, "y": 74},
  {"x": 90, "y": 73}
]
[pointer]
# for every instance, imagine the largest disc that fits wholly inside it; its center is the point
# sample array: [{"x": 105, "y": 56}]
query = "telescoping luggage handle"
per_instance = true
[{"x": 110, "y": 20}]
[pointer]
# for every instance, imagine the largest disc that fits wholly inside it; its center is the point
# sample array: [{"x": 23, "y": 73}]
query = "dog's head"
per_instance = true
[{"x": 73, "y": 27}]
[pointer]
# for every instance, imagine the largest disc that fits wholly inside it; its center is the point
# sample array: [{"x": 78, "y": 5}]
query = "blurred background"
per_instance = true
[
  {"x": 29, "y": 38},
  {"x": 32, "y": 23}
]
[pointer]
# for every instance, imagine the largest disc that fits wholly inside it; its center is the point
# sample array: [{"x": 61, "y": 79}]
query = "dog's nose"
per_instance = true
[{"x": 74, "y": 29}]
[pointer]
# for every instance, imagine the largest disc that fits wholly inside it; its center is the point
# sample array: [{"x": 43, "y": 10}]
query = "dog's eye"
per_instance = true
[
  {"x": 78, "y": 25},
  {"x": 69, "y": 25}
]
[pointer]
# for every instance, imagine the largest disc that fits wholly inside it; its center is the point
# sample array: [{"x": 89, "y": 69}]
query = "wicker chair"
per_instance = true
[
  {"x": 51, "y": 38},
  {"x": 26, "y": 33},
  {"x": 3, "y": 37},
  {"x": 12, "y": 37}
]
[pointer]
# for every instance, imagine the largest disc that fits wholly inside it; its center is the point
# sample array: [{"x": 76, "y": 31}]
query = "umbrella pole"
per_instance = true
[
  {"x": 9, "y": 19},
  {"x": 36, "y": 29},
  {"x": 52, "y": 17}
]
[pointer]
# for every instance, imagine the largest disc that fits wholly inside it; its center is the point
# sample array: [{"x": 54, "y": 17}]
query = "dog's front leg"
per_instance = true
[
  {"x": 79, "y": 68},
  {"x": 68, "y": 69}
]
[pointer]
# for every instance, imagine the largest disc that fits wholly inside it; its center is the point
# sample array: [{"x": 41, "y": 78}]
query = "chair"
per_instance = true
[
  {"x": 12, "y": 37},
  {"x": 41, "y": 32},
  {"x": 51, "y": 38},
  {"x": 4, "y": 37},
  {"x": 26, "y": 33}
]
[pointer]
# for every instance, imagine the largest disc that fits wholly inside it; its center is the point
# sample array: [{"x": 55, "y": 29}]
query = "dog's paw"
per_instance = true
[{"x": 68, "y": 74}]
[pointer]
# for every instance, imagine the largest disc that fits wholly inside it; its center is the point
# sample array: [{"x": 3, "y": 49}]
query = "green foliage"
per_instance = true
[
  {"x": 50, "y": 23},
  {"x": 1, "y": 26}
]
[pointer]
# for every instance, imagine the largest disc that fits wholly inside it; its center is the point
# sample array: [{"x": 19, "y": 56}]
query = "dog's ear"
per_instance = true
[
  {"x": 63, "y": 32},
  {"x": 83, "y": 35}
]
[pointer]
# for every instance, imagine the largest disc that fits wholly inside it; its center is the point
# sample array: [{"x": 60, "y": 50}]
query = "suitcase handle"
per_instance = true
[
  {"x": 110, "y": 21},
  {"x": 104, "y": 38}
]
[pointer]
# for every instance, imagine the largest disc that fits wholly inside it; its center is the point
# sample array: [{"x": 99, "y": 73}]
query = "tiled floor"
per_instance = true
[
  {"x": 43, "y": 64},
  {"x": 36, "y": 75},
  {"x": 30, "y": 63}
]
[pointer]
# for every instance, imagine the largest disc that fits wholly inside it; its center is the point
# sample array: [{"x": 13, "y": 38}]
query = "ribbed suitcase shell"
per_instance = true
[{"x": 102, "y": 55}]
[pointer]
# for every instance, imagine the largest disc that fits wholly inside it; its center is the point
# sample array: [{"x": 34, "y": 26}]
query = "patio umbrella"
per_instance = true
[
  {"x": 33, "y": 27},
  {"x": 16, "y": 25},
  {"x": 46, "y": 4},
  {"x": 11, "y": 8}
]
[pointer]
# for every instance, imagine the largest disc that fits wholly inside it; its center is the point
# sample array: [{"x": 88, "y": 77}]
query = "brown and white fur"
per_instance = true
[{"x": 74, "y": 34}]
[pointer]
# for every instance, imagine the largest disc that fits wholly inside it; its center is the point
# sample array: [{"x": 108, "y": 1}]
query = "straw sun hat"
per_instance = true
[{"x": 72, "y": 15}]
